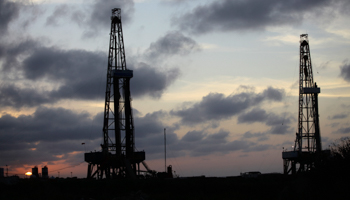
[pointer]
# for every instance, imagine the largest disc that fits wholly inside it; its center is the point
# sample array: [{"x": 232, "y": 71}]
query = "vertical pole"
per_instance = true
[{"x": 164, "y": 150}]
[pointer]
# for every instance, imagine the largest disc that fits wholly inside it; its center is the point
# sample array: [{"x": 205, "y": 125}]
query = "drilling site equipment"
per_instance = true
[
  {"x": 118, "y": 158},
  {"x": 307, "y": 152}
]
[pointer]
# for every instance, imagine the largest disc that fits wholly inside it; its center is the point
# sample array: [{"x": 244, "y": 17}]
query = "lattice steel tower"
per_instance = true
[
  {"x": 118, "y": 157},
  {"x": 307, "y": 148}
]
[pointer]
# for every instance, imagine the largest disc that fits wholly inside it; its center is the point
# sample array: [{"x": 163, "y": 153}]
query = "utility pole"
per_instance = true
[{"x": 164, "y": 149}]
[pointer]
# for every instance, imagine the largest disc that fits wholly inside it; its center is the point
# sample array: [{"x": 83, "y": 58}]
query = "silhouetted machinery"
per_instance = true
[
  {"x": 307, "y": 153},
  {"x": 118, "y": 158}
]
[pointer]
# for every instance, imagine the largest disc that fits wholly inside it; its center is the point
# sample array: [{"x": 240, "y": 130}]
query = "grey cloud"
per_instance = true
[
  {"x": 216, "y": 106},
  {"x": 274, "y": 94},
  {"x": 259, "y": 147},
  {"x": 47, "y": 124},
  {"x": 11, "y": 52},
  {"x": 149, "y": 133},
  {"x": 150, "y": 124},
  {"x": 78, "y": 17},
  {"x": 16, "y": 97},
  {"x": 173, "y": 43},
  {"x": 63, "y": 65},
  {"x": 281, "y": 129},
  {"x": 101, "y": 14},
  {"x": 345, "y": 71},
  {"x": 255, "y": 115},
  {"x": 255, "y": 15},
  {"x": 195, "y": 143},
  {"x": 345, "y": 130},
  {"x": 150, "y": 81},
  {"x": 219, "y": 137},
  {"x": 206, "y": 144},
  {"x": 280, "y": 124},
  {"x": 48, "y": 132},
  {"x": 193, "y": 136},
  {"x": 76, "y": 74},
  {"x": 95, "y": 17},
  {"x": 259, "y": 136},
  {"x": 60, "y": 11},
  {"x": 9, "y": 11},
  {"x": 175, "y": 2},
  {"x": 338, "y": 116}
]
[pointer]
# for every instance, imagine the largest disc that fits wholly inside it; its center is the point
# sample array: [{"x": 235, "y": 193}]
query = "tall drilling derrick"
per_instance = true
[
  {"x": 307, "y": 148},
  {"x": 118, "y": 158}
]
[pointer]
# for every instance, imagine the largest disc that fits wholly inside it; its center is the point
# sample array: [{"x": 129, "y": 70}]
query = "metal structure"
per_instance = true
[
  {"x": 307, "y": 148},
  {"x": 118, "y": 158}
]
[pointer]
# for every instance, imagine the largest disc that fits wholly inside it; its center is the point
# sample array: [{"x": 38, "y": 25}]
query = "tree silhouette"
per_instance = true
[{"x": 340, "y": 151}]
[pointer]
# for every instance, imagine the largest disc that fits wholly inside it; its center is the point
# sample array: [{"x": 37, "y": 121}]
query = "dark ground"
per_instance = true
[{"x": 272, "y": 186}]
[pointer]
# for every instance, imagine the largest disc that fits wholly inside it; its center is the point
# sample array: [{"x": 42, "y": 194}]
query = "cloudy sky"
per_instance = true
[{"x": 220, "y": 76}]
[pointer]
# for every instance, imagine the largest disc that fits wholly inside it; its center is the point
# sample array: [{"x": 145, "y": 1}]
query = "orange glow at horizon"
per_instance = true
[{"x": 28, "y": 173}]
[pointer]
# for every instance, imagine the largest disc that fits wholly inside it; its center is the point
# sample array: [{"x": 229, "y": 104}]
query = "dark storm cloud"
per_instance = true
[
  {"x": 345, "y": 71},
  {"x": 173, "y": 43},
  {"x": 216, "y": 106},
  {"x": 150, "y": 81},
  {"x": 8, "y": 12},
  {"x": 234, "y": 15},
  {"x": 32, "y": 139}
]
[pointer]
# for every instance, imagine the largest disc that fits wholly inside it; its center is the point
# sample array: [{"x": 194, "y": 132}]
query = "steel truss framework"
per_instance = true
[
  {"x": 307, "y": 147},
  {"x": 118, "y": 158}
]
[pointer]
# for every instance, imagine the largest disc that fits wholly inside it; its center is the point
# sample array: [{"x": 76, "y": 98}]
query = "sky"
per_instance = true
[{"x": 220, "y": 76}]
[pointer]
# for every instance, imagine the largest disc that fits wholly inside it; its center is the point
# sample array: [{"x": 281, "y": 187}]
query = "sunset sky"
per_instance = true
[{"x": 220, "y": 76}]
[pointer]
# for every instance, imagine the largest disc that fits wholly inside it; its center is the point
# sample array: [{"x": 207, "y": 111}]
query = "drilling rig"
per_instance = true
[
  {"x": 307, "y": 152},
  {"x": 118, "y": 158}
]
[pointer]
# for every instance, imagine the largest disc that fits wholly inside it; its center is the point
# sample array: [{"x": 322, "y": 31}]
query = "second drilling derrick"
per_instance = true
[
  {"x": 118, "y": 158},
  {"x": 307, "y": 150}
]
